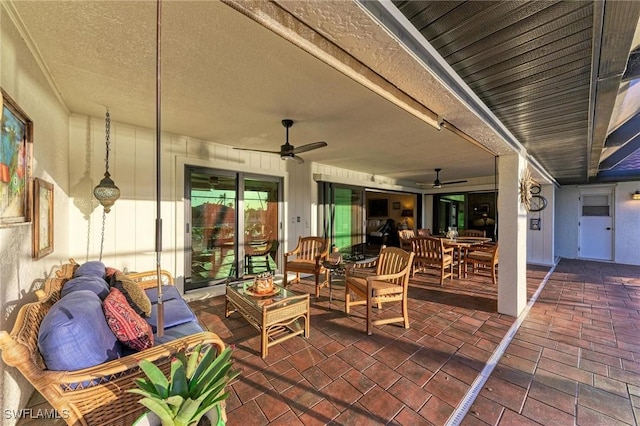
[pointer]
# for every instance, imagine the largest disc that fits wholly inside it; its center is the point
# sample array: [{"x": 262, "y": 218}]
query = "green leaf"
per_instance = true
[
  {"x": 208, "y": 358},
  {"x": 160, "y": 408},
  {"x": 187, "y": 412},
  {"x": 156, "y": 377},
  {"x": 174, "y": 402},
  {"x": 218, "y": 367},
  {"x": 145, "y": 385},
  {"x": 179, "y": 385},
  {"x": 192, "y": 362}
]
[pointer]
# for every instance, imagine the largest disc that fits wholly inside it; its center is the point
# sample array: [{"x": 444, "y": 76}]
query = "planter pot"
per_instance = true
[{"x": 215, "y": 417}]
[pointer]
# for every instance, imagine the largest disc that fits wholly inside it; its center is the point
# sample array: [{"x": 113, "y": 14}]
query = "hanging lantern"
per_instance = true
[{"x": 107, "y": 192}]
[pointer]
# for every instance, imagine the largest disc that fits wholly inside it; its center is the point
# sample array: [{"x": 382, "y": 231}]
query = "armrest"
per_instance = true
[
  {"x": 148, "y": 279},
  {"x": 292, "y": 252}
]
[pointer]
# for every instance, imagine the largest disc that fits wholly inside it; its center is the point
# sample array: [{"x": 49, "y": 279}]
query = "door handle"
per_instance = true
[{"x": 608, "y": 229}]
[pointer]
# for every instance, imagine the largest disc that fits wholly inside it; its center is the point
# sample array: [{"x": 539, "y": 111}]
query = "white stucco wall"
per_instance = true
[
  {"x": 567, "y": 210},
  {"x": 540, "y": 245},
  {"x": 22, "y": 78},
  {"x": 626, "y": 222}
]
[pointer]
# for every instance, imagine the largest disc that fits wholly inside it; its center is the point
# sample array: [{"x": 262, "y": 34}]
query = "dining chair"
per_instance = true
[
  {"x": 484, "y": 256},
  {"x": 307, "y": 258},
  {"x": 431, "y": 252},
  {"x": 389, "y": 283},
  {"x": 404, "y": 237},
  {"x": 472, "y": 233},
  {"x": 424, "y": 232}
]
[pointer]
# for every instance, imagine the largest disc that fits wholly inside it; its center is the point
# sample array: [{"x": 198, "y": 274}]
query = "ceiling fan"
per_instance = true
[
  {"x": 438, "y": 184},
  {"x": 288, "y": 151}
]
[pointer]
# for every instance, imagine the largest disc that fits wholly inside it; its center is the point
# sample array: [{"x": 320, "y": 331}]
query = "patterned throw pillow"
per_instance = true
[
  {"x": 129, "y": 327},
  {"x": 109, "y": 271},
  {"x": 136, "y": 297}
]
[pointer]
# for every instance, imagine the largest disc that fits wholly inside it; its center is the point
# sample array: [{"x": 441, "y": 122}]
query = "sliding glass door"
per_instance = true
[
  {"x": 232, "y": 225},
  {"x": 344, "y": 217}
]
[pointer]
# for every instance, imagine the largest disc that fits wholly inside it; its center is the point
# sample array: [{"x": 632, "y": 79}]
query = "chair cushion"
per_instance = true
[
  {"x": 169, "y": 292},
  {"x": 136, "y": 297},
  {"x": 93, "y": 268},
  {"x": 380, "y": 288},
  {"x": 86, "y": 282},
  {"x": 74, "y": 334},
  {"x": 178, "y": 331},
  {"x": 176, "y": 310},
  {"x": 304, "y": 266},
  {"x": 129, "y": 327}
]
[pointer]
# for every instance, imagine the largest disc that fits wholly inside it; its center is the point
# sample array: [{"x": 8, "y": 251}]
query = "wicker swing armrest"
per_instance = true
[{"x": 95, "y": 395}]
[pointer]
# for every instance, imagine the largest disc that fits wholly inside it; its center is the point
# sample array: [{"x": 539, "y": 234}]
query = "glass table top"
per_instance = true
[{"x": 243, "y": 288}]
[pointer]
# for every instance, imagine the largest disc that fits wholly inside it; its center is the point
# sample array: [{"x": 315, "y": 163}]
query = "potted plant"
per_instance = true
[{"x": 193, "y": 390}]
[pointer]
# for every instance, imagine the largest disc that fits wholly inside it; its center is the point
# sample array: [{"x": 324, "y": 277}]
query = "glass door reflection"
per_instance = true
[
  {"x": 260, "y": 226},
  {"x": 213, "y": 228}
]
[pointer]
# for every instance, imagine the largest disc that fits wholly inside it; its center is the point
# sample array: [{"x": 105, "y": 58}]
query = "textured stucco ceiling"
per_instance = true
[{"x": 229, "y": 79}]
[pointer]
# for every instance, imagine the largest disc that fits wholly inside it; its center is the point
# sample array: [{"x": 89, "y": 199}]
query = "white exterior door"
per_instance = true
[{"x": 596, "y": 225}]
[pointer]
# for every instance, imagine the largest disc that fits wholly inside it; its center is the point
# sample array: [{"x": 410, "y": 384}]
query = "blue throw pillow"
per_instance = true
[
  {"x": 87, "y": 282},
  {"x": 94, "y": 268},
  {"x": 74, "y": 334},
  {"x": 176, "y": 310}
]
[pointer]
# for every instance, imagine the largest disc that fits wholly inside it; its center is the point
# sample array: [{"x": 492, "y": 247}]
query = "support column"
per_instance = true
[{"x": 512, "y": 236}]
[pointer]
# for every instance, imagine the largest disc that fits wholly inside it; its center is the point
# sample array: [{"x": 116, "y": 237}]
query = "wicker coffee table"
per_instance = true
[{"x": 277, "y": 317}]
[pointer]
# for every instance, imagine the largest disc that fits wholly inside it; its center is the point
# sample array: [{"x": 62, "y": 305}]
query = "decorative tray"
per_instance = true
[{"x": 249, "y": 290}]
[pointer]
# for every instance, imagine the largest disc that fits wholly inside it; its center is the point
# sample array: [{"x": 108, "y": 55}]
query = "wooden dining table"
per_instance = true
[{"x": 461, "y": 245}]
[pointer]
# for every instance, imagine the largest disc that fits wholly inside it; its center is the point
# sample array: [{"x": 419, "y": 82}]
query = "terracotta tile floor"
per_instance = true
[{"x": 574, "y": 360}]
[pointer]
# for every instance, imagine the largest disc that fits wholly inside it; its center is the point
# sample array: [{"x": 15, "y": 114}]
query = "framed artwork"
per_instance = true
[
  {"x": 396, "y": 205},
  {"x": 16, "y": 147},
  {"x": 42, "y": 218}
]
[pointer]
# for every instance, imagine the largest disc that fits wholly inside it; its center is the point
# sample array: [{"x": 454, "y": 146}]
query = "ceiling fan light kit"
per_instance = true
[{"x": 288, "y": 151}]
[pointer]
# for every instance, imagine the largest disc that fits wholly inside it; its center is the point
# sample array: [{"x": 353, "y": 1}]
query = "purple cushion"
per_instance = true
[
  {"x": 168, "y": 292},
  {"x": 178, "y": 331},
  {"x": 94, "y": 268},
  {"x": 176, "y": 310},
  {"x": 74, "y": 334},
  {"x": 86, "y": 282}
]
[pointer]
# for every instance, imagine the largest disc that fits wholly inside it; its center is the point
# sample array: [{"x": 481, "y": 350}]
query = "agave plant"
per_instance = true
[{"x": 195, "y": 386}]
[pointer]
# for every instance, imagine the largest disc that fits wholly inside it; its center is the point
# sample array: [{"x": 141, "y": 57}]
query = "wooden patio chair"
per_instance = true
[
  {"x": 404, "y": 237},
  {"x": 307, "y": 258},
  {"x": 389, "y": 283},
  {"x": 431, "y": 252},
  {"x": 484, "y": 256},
  {"x": 424, "y": 232},
  {"x": 472, "y": 233}
]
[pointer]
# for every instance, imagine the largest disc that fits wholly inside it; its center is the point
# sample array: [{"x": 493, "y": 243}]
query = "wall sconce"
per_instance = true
[{"x": 635, "y": 195}]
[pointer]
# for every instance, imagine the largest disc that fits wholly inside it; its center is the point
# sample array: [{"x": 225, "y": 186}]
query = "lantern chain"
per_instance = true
[{"x": 107, "y": 132}]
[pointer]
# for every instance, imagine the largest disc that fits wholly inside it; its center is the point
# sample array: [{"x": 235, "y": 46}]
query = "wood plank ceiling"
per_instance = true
[{"x": 533, "y": 64}]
